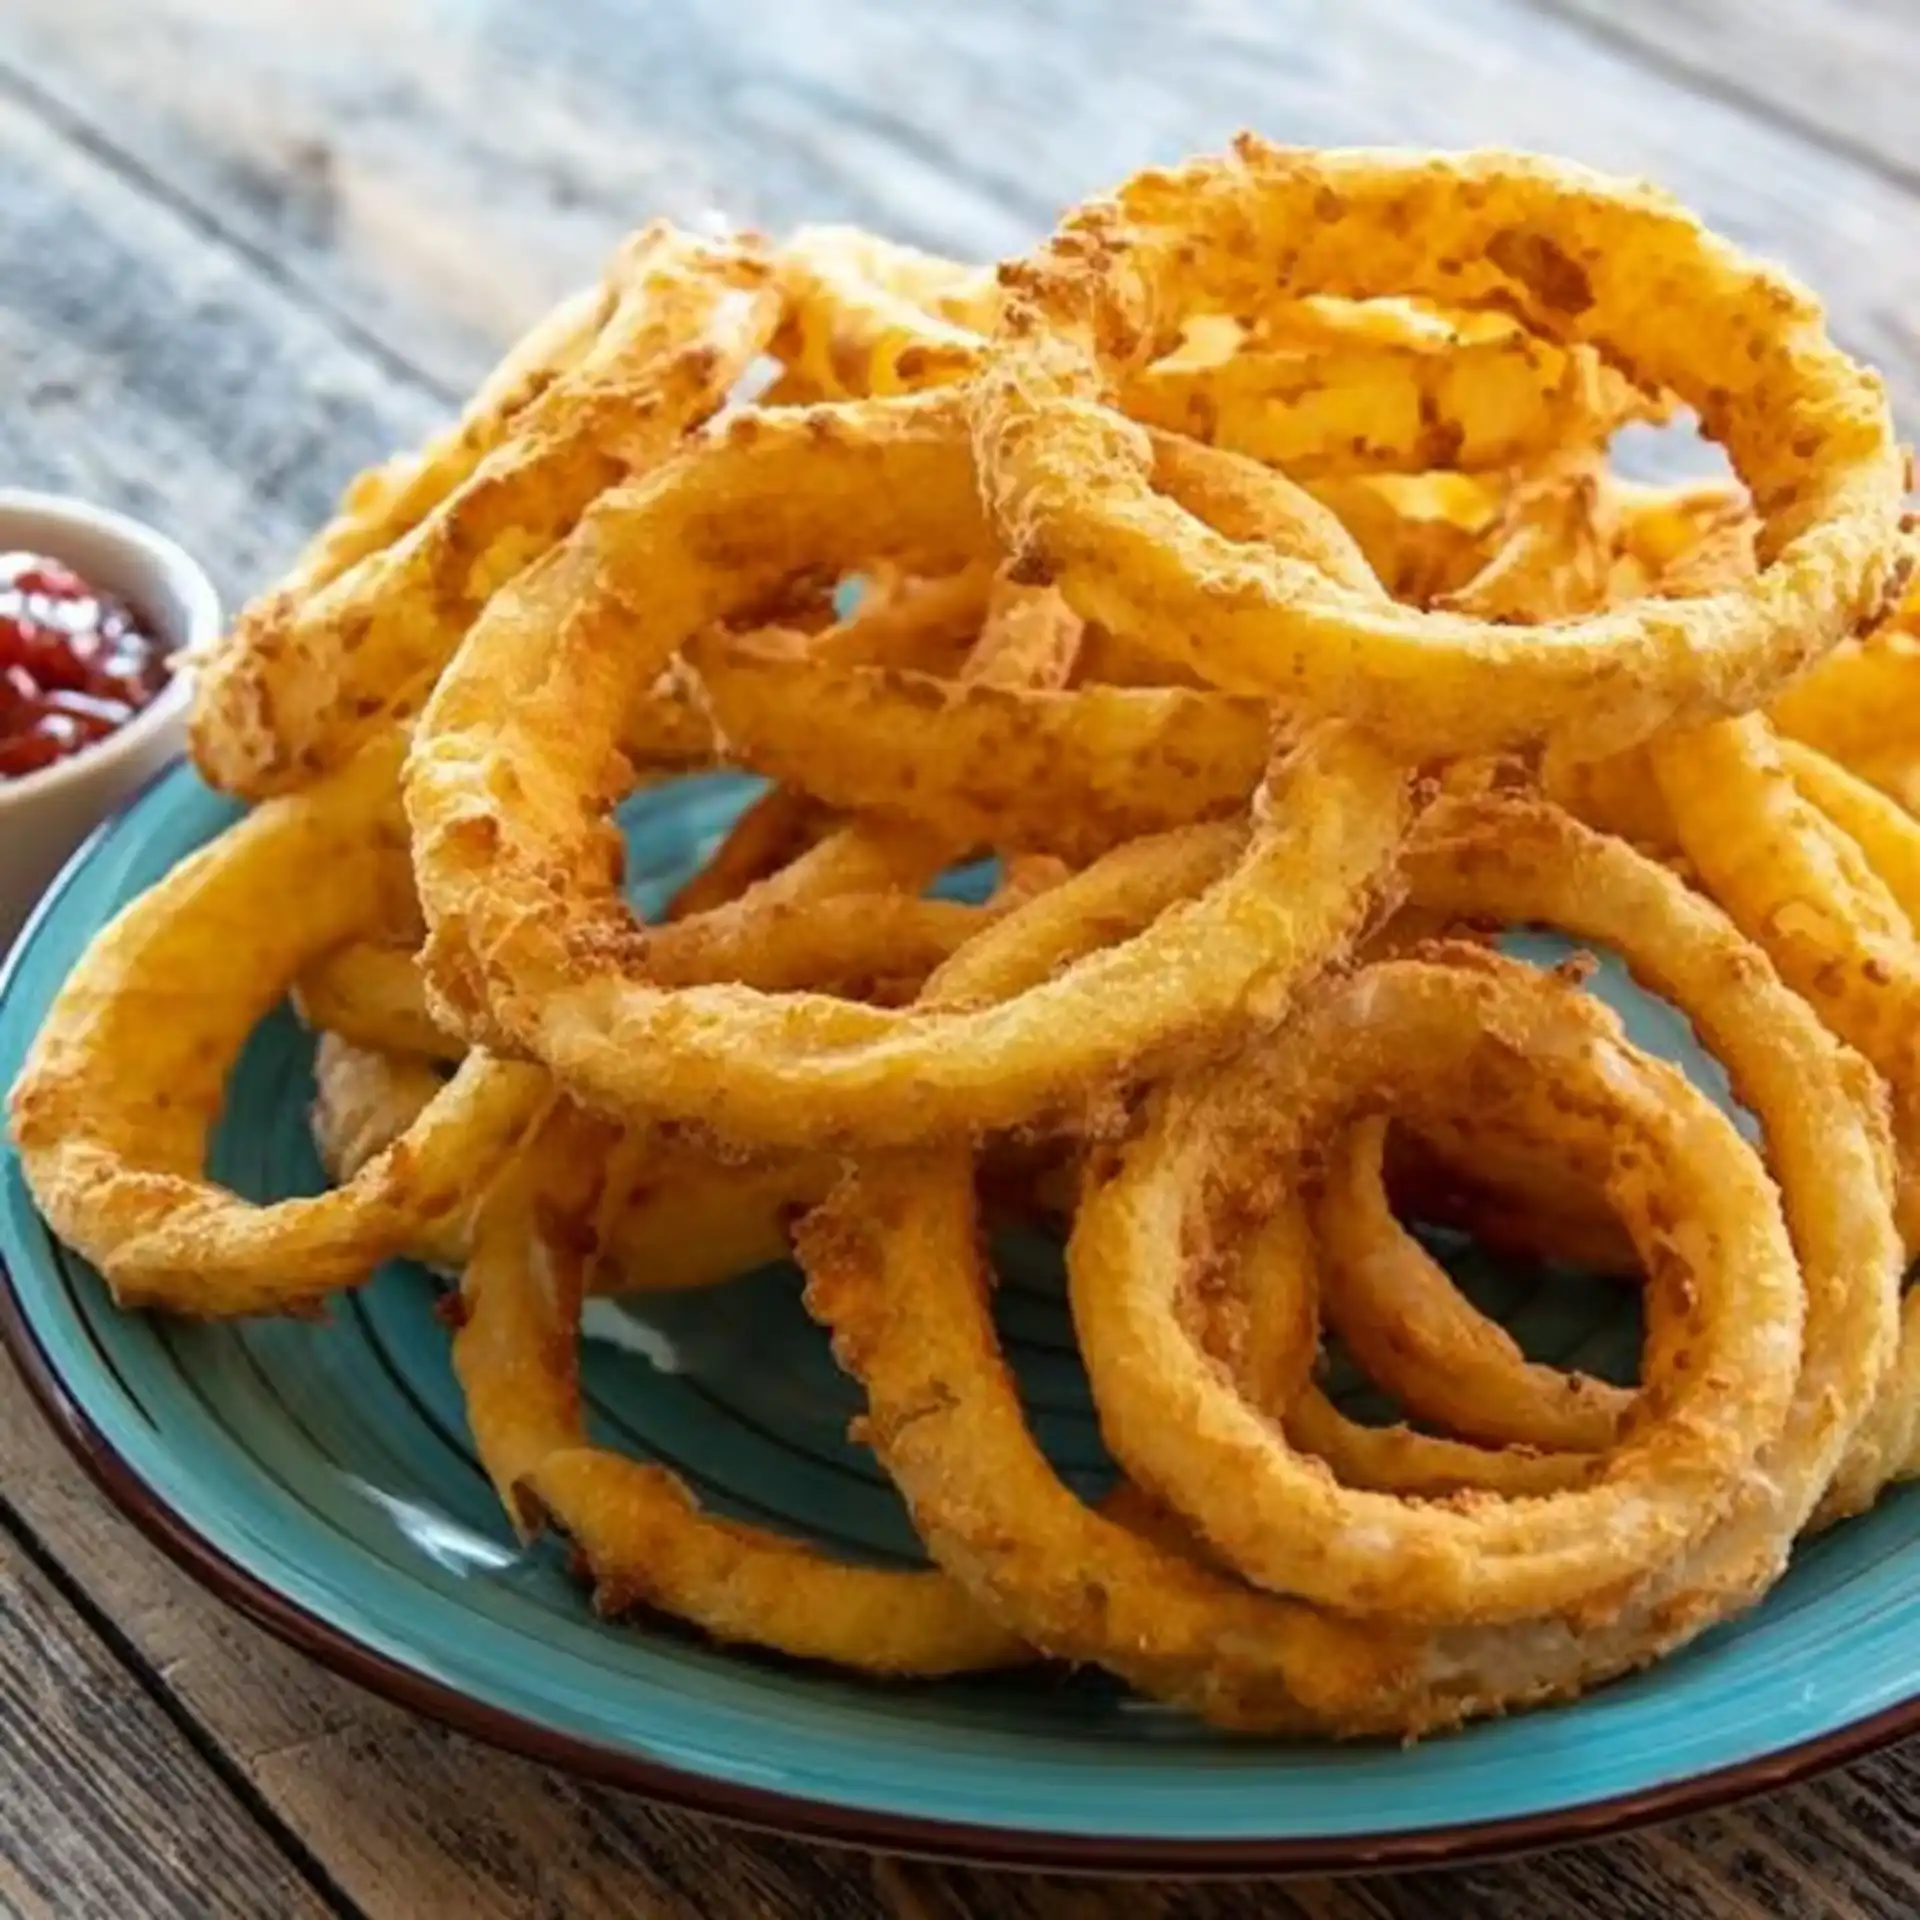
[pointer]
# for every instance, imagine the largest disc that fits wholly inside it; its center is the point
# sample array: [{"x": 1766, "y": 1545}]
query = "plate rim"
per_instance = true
[{"x": 795, "y": 1815}]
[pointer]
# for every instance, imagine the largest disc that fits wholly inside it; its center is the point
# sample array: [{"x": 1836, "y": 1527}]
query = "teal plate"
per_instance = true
[{"x": 320, "y": 1477}]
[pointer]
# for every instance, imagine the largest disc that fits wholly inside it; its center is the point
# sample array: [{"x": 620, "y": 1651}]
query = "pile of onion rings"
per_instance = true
[{"x": 1245, "y": 574}]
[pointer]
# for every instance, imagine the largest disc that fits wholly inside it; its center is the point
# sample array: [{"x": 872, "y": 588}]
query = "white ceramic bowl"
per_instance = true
[{"x": 45, "y": 815}]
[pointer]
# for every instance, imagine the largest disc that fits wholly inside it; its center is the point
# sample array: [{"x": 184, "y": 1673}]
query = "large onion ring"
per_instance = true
[
  {"x": 1723, "y": 1304},
  {"x": 1821, "y": 1107},
  {"x": 1578, "y": 257},
  {"x": 525, "y": 724}
]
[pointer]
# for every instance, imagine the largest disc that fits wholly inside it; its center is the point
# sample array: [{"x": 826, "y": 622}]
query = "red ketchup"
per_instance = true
[{"x": 75, "y": 663}]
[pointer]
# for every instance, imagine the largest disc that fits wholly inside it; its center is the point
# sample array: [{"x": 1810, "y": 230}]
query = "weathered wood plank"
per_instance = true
[
  {"x": 435, "y": 174},
  {"x": 409, "y": 1818},
  {"x": 108, "y": 1810},
  {"x": 1842, "y": 72},
  {"x": 151, "y": 369}
]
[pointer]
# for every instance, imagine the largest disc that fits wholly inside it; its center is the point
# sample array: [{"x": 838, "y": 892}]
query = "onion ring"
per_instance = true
[
  {"x": 128, "y": 1071},
  {"x": 525, "y": 722},
  {"x": 1821, "y": 1108},
  {"x": 1418, "y": 1337},
  {"x": 1573, "y": 255},
  {"x": 1723, "y": 1309},
  {"x": 1277, "y": 1347},
  {"x": 1805, "y": 890}
]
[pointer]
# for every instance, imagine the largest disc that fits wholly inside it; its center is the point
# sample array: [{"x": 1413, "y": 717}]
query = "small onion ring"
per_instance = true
[
  {"x": 1421, "y": 1340},
  {"x": 1277, "y": 1347},
  {"x": 127, "y": 1074}
]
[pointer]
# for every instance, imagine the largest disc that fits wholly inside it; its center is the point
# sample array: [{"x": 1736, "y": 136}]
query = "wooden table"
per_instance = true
[{"x": 248, "y": 245}]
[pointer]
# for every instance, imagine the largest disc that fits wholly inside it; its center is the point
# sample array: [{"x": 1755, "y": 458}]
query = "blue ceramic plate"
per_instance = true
[{"x": 321, "y": 1478}]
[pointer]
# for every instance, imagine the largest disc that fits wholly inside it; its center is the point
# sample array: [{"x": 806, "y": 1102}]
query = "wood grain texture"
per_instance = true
[
  {"x": 151, "y": 369},
  {"x": 1840, "y": 72},
  {"x": 246, "y": 246},
  {"x": 430, "y": 174},
  {"x": 108, "y": 1810},
  {"x": 410, "y": 1819}
]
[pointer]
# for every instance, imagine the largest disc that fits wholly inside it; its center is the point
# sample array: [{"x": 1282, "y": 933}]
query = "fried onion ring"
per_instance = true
[
  {"x": 128, "y": 1072},
  {"x": 1277, "y": 1348},
  {"x": 1418, "y": 1337},
  {"x": 1821, "y": 1108},
  {"x": 526, "y": 721},
  {"x": 1808, "y": 893},
  {"x": 1571, "y": 253},
  {"x": 1723, "y": 1304}
]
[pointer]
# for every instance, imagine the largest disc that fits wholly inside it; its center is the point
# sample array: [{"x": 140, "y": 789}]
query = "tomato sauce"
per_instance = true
[{"x": 75, "y": 663}]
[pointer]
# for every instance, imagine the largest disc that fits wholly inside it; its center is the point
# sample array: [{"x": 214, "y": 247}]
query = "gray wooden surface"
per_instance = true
[{"x": 247, "y": 245}]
